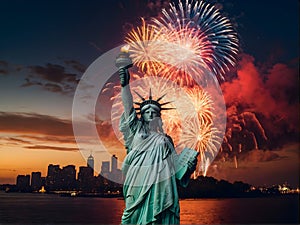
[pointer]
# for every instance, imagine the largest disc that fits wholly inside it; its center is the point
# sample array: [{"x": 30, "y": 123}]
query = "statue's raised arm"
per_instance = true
[
  {"x": 123, "y": 62},
  {"x": 125, "y": 91}
]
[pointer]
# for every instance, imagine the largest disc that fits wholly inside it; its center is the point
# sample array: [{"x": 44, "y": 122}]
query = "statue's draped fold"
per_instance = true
[{"x": 150, "y": 190}]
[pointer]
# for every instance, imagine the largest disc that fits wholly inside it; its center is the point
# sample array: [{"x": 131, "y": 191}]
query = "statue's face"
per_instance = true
[{"x": 149, "y": 114}]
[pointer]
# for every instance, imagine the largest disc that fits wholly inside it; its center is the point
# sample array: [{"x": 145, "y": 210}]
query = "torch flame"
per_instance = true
[{"x": 125, "y": 48}]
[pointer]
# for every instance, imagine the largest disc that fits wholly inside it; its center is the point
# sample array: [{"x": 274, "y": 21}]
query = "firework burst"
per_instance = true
[
  {"x": 204, "y": 138},
  {"x": 188, "y": 37},
  {"x": 202, "y": 28},
  {"x": 144, "y": 46},
  {"x": 202, "y": 104}
]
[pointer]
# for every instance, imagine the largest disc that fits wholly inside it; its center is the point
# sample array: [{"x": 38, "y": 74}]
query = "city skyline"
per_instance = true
[
  {"x": 67, "y": 183},
  {"x": 107, "y": 168},
  {"x": 68, "y": 178},
  {"x": 45, "y": 48}
]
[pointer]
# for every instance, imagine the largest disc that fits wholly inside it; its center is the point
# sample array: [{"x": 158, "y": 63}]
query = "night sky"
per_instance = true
[{"x": 46, "y": 46}]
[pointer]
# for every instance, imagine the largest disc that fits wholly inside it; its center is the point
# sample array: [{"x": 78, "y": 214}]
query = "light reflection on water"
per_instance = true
[
  {"x": 240, "y": 210},
  {"x": 53, "y": 209}
]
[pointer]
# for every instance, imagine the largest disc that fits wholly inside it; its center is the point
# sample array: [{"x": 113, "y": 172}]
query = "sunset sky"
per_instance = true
[{"x": 46, "y": 46}]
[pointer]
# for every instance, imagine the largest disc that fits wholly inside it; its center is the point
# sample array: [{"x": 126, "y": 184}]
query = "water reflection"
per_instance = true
[
  {"x": 282, "y": 209},
  {"x": 53, "y": 209}
]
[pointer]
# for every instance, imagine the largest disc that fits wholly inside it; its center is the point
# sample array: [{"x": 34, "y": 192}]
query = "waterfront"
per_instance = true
[{"x": 23, "y": 208}]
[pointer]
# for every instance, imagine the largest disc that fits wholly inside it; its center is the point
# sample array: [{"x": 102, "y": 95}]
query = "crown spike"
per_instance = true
[
  {"x": 160, "y": 98},
  {"x": 166, "y": 103},
  {"x": 141, "y": 97},
  {"x": 150, "y": 101},
  {"x": 167, "y": 108},
  {"x": 150, "y": 94}
]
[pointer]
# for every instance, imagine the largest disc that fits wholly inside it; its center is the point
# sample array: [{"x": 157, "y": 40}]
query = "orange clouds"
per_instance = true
[{"x": 34, "y": 124}]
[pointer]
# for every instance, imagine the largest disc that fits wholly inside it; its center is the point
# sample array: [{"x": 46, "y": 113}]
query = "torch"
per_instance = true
[{"x": 123, "y": 62}]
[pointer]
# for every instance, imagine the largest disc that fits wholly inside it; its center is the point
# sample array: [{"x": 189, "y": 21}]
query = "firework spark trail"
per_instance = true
[{"x": 235, "y": 161}]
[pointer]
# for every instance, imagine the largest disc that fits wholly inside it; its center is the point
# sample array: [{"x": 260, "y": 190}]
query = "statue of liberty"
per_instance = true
[{"x": 152, "y": 167}]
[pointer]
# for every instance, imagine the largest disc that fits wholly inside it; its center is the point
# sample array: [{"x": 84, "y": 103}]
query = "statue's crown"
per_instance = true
[{"x": 150, "y": 101}]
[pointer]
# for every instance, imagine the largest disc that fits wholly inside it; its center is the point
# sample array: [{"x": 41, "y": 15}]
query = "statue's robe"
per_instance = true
[{"x": 150, "y": 190}]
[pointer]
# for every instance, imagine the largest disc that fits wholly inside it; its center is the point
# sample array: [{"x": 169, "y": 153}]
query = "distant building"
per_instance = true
[
  {"x": 68, "y": 177},
  {"x": 53, "y": 179},
  {"x": 53, "y": 170},
  {"x": 36, "y": 181},
  {"x": 23, "y": 183},
  {"x": 85, "y": 172},
  {"x": 114, "y": 174},
  {"x": 85, "y": 178},
  {"x": 43, "y": 180},
  {"x": 114, "y": 163},
  {"x": 105, "y": 168},
  {"x": 90, "y": 162}
]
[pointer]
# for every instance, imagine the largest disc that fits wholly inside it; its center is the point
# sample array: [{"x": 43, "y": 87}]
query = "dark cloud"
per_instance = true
[
  {"x": 3, "y": 63},
  {"x": 76, "y": 65},
  {"x": 54, "y": 78},
  {"x": 29, "y": 83},
  {"x": 48, "y": 138},
  {"x": 18, "y": 141},
  {"x": 30, "y": 139},
  {"x": 47, "y": 147},
  {"x": 53, "y": 87},
  {"x": 15, "y": 141},
  {"x": 3, "y": 67},
  {"x": 53, "y": 73},
  {"x": 34, "y": 124},
  {"x": 2, "y": 71}
]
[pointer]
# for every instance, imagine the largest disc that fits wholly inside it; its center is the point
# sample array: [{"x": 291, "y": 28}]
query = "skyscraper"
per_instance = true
[
  {"x": 90, "y": 162},
  {"x": 115, "y": 174},
  {"x": 23, "y": 183},
  {"x": 53, "y": 179},
  {"x": 105, "y": 169},
  {"x": 85, "y": 178},
  {"x": 68, "y": 177},
  {"x": 36, "y": 181},
  {"x": 114, "y": 163}
]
